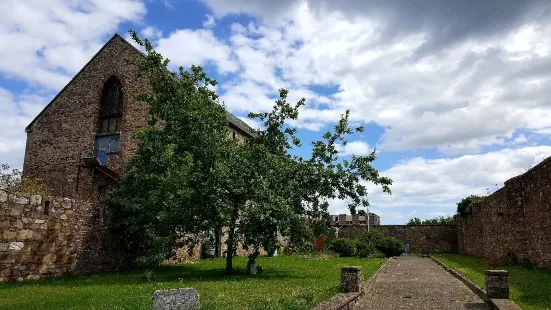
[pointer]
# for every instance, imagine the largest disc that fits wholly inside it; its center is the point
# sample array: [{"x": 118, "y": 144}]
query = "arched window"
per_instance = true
[
  {"x": 111, "y": 107},
  {"x": 108, "y": 134}
]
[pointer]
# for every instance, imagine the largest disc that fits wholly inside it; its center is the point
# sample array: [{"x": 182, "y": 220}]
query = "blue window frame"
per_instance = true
[{"x": 107, "y": 145}]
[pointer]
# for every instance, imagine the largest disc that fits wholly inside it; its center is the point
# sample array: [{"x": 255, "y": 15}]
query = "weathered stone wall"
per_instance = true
[
  {"x": 65, "y": 131},
  {"x": 48, "y": 236},
  {"x": 433, "y": 238},
  {"x": 516, "y": 219}
]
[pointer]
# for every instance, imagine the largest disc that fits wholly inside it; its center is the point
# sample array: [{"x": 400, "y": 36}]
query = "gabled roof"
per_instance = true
[{"x": 232, "y": 119}]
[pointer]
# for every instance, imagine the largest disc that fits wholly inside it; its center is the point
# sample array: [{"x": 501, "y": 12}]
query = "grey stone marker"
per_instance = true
[
  {"x": 497, "y": 284},
  {"x": 176, "y": 299},
  {"x": 351, "y": 279}
]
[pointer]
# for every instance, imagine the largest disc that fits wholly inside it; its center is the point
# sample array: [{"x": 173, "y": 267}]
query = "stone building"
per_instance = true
[
  {"x": 354, "y": 220},
  {"x": 78, "y": 143}
]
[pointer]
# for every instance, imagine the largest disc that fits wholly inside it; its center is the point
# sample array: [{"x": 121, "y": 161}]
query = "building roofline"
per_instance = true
[{"x": 232, "y": 119}]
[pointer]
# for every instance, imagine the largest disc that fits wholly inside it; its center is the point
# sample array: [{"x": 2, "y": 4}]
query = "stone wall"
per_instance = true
[
  {"x": 433, "y": 238},
  {"x": 516, "y": 218},
  {"x": 65, "y": 131},
  {"x": 48, "y": 236}
]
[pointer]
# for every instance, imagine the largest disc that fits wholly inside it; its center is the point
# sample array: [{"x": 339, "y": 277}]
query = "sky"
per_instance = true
[{"x": 453, "y": 95}]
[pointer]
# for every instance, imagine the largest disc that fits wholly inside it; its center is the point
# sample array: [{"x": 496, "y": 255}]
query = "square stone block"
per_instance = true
[
  {"x": 497, "y": 284},
  {"x": 175, "y": 299}
]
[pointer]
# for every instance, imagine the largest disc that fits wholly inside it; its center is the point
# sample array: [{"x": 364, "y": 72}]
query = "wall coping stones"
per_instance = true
[{"x": 496, "y": 272}]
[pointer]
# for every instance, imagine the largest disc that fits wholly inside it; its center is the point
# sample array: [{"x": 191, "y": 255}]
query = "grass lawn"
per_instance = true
[
  {"x": 287, "y": 282},
  {"x": 530, "y": 288}
]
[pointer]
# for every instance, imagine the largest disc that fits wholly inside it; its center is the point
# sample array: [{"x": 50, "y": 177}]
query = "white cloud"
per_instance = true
[
  {"x": 436, "y": 185},
  {"x": 196, "y": 47},
  {"x": 354, "y": 148},
  {"x": 520, "y": 139},
  {"x": 255, "y": 124},
  {"x": 151, "y": 33},
  {"x": 56, "y": 38},
  {"x": 427, "y": 188},
  {"x": 209, "y": 22},
  {"x": 458, "y": 98},
  {"x": 16, "y": 113}
]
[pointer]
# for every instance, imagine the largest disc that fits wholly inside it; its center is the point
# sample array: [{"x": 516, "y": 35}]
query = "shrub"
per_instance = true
[
  {"x": 507, "y": 259},
  {"x": 390, "y": 246},
  {"x": 343, "y": 247},
  {"x": 370, "y": 237},
  {"x": 464, "y": 207},
  {"x": 364, "y": 249}
]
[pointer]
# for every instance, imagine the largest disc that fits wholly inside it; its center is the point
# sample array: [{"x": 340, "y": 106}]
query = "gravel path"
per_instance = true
[{"x": 411, "y": 282}]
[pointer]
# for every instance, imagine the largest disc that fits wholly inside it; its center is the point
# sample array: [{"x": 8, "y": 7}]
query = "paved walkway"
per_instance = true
[{"x": 411, "y": 282}]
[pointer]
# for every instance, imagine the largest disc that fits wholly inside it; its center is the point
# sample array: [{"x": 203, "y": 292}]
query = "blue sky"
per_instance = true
[{"x": 454, "y": 97}]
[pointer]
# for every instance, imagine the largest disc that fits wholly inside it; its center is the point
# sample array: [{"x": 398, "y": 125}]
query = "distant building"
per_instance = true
[{"x": 354, "y": 220}]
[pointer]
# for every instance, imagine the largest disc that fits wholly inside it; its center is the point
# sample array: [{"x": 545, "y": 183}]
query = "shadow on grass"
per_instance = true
[{"x": 188, "y": 273}]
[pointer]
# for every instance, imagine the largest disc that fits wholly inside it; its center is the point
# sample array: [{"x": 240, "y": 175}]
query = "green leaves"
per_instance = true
[{"x": 188, "y": 177}]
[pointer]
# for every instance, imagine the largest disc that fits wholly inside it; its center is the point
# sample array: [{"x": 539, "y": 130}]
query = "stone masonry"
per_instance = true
[
  {"x": 46, "y": 236},
  {"x": 515, "y": 219},
  {"x": 64, "y": 132}
]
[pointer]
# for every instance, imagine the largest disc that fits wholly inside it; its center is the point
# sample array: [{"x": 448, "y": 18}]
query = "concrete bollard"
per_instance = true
[
  {"x": 497, "y": 284},
  {"x": 175, "y": 299},
  {"x": 351, "y": 279}
]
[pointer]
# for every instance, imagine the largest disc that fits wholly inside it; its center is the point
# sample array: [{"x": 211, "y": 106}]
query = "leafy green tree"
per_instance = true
[
  {"x": 414, "y": 221},
  {"x": 439, "y": 220},
  {"x": 362, "y": 213},
  {"x": 188, "y": 177},
  {"x": 464, "y": 206},
  {"x": 12, "y": 180}
]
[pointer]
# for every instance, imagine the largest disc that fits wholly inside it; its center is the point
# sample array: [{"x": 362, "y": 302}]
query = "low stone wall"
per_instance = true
[
  {"x": 50, "y": 236},
  {"x": 433, "y": 238},
  {"x": 515, "y": 219}
]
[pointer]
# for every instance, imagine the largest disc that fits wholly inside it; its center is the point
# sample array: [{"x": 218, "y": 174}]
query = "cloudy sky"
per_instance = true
[{"x": 451, "y": 93}]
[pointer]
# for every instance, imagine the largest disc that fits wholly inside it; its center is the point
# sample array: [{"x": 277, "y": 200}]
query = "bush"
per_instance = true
[
  {"x": 364, "y": 249},
  {"x": 343, "y": 247},
  {"x": 390, "y": 246},
  {"x": 370, "y": 237}
]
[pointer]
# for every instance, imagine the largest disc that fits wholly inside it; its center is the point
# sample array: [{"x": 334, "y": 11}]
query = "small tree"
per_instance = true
[
  {"x": 188, "y": 177},
  {"x": 12, "y": 180},
  {"x": 464, "y": 206},
  {"x": 439, "y": 220}
]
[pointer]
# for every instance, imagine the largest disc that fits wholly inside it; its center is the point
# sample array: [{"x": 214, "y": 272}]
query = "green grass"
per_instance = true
[
  {"x": 287, "y": 282},
  {"x": 529, "y": 287}
]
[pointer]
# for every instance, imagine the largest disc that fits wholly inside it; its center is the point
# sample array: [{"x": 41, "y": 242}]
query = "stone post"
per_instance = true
[
  {"x": 351, "y": 279},
  {"x": 497, "y": 284}
]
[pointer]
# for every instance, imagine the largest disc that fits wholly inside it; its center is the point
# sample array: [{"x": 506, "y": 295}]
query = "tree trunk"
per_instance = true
[{"x": 231, "y": 238}]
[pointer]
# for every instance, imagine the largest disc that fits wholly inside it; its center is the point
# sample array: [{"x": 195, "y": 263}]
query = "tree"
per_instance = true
[
  {"x": 12, "y": 180},
  {"x": 464, "y": 206},
  {"x": 415, "y": 221},
  {"x": 188, "y": 177},
  {"x": 439, "y": 220},
  {"x": 362, "y": 213}
]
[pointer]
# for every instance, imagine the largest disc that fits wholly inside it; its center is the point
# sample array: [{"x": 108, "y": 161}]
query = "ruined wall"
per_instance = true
[
  {"x": 433, "y": 238},
  {"x": 517, "y": 219},
  {"x": 48, "y": 236}
]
